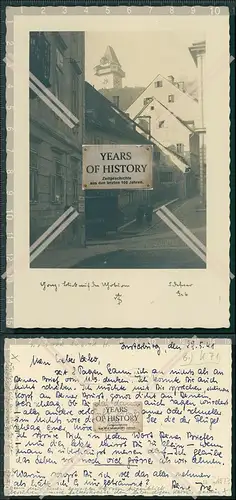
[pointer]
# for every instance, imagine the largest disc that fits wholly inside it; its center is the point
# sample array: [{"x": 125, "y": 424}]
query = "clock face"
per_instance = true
[{"x": 105, "y": 82}]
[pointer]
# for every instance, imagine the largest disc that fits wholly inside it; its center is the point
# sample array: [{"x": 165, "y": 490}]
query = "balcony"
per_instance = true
[{"x": 40, "y": 57}]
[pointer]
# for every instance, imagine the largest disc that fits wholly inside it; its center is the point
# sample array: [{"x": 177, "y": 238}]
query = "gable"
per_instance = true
[
  {"x": 161, "y": 89},
  {"x": 111, "y": 56},
  {"x": 159, "y": 112}
]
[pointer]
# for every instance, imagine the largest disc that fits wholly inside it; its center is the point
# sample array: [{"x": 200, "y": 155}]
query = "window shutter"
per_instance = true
[{"x": 53, "y": 188}]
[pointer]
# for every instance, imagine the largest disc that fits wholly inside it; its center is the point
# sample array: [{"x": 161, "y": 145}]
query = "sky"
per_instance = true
[{"x": 143, "y": 55}]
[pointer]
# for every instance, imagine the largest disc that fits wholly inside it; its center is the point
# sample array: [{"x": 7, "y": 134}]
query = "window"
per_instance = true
[
  {"x": 158, "y": 83},
  {"x": 75, "y": 179},
  {"x": 166, "y": 176},
  {"x": 58, "y": 74},
  {"x": 171, "y": 98},
  {"x": 57, "y": 182},
  {"x": 59, "y": 59},
  {"x": 161, "y": 124},
  {"x": 57, "y": 83},
  {"x": 156, "y": 155},
  {"x": 152, "y": 108},
  {"x": 147, "y": 100},
  {"x": 33, "y": 176},
  {"x": 40, "y": 57},
  {"x": 74, "y": 95},
  {"x": 180, "y": 149}
]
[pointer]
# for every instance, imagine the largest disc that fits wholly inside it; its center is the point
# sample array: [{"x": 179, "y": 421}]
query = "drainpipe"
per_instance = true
[{"x": 202, "y": 159}]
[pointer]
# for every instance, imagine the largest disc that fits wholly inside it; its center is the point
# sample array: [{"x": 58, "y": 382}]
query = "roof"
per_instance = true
[
  {"x": 111, "y": 56},
  {"x": 183, "y": 122},
  {"x": 100, "y": 113},
  {"x": 144, "y": 107},
  {"x": 177, "y": 88},
  {"x": 178, "y": 160},
  {"x": 127, "y": 95},
  {"x": 107, "y": 116},
  {"x": 109, "y": 62}
]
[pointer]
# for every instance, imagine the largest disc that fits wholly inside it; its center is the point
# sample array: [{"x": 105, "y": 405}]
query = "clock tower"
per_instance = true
[{"x": 109, "y": 71}]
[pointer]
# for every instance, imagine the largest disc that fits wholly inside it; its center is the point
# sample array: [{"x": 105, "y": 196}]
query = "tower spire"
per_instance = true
[{"x": 109, "y": 70}]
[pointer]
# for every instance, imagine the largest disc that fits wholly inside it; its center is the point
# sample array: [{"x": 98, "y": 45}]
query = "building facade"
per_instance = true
[
  {"x": 166, "y": 127},
  {"x": 198, "y": 53},
  {"x": 169, "y": 93},
  {"x": 165, "y": 110},
  {"x": 106, "y": 124},
  {"x": 171, "y": 114},
  {"x": 167, "y": 113},
  {"x": 57, "y": 66}
]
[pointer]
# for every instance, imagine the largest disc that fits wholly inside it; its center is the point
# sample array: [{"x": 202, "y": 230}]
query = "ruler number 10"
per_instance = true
[{"x": 215, "y": 10}]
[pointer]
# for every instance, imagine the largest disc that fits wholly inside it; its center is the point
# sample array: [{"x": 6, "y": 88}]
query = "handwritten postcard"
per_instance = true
[
  {"x": 121, "y": 416},
  {"x": 118, "y": 166}
]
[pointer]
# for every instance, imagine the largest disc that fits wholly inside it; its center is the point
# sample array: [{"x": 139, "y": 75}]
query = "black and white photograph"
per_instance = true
[
  {"x": 109, "y": 93},
  {"x": 118, "y": 191}
]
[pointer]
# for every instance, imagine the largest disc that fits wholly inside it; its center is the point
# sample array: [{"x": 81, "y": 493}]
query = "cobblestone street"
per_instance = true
[
  {"x": 152, "y": 247},
  {"x": 156, "y": 247}
]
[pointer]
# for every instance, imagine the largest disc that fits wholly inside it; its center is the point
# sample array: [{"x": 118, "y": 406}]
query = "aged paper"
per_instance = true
[
  {"x": 118, "y": 417},
  {"x": 190, "y": 286}
]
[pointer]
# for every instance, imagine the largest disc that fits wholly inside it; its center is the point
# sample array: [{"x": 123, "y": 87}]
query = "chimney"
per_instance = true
[
  {"x": 116, "y": 100},
  {"x": 171, "y": 78},
  {"x": 144, "y": 124}
]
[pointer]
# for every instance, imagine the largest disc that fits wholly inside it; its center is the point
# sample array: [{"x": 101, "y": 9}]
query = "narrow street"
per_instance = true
[
  {"x": 154, "y": 247},
  {"x": 145, "y": 259}
]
